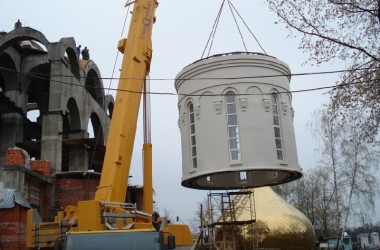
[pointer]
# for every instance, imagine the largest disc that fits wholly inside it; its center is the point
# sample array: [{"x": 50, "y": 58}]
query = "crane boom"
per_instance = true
[
  {"x": 137, "y": 49},
  {"x": 106, "y": 222}
]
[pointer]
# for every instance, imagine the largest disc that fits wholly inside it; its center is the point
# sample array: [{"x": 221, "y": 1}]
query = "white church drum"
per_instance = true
[{"x": 236, "y": 122}]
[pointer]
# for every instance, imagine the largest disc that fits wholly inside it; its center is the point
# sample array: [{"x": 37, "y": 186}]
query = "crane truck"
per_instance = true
[{"x": 107, "y": 222}]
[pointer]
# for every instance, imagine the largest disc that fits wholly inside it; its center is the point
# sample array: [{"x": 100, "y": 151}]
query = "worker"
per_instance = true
[
  {"x": 156, "y": 221},
  {"x": 78, "y": 50},
  {"x": 18, "y": 24},
  {"x": 85, "y": 54}
]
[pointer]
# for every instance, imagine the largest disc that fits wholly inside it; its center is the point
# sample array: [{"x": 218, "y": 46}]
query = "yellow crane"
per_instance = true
[{"x": 106, "y": 222}]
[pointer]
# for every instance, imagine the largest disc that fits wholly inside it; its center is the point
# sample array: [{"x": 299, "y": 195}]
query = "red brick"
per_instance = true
[
  {"x": 45, "y": 212},
  {"x": 15, "y": 157},
  {"x": 70, "y": 191},
  {"x": 13, "y": 228},
  {"x": 43, "y": 167}
]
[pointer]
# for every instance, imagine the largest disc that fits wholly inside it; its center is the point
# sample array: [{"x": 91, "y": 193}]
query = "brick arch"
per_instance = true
[
  {"x": 69, "y": 46},
  {"x": 38, "y": 87},
  {"x": 21, "y": 34},
  {"x": 98, "y": 128},
  {"x": 9, "y": 77},
  {"x": 109, "y": 105},
  {"x": 56, "y": 51},
  {"x": 73, "y": 114},
  {"x": 94, "y": 82}
]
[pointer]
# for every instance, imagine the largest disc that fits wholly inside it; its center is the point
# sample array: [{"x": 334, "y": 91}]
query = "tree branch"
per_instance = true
[
  {"x": 373, "y": 11},
  {"x": 322, "y": 36}
]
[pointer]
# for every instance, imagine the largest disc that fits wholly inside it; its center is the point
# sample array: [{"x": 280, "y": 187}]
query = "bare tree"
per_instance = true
[
  {"x": 329, "y": 133},
  {"x": 313, "y": 195},
  {"x": 344, "y": 184},
  {"x": 345, "y": 30},
  {"x": 201, "y": 217},
  {"x": 360, "y": 159}
]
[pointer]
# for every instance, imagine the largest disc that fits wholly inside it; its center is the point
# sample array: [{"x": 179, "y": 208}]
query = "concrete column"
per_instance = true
[
  {"x": 78, "y": 155},
  {"x": 12, "y": 125},
  {"x": 13, "y": 178},
  {"x": 52, "y": 123},
  {"x": 56, "y": 91},
  {"x": 51, "y": 141},
  {"x": 12, "y": 131}
]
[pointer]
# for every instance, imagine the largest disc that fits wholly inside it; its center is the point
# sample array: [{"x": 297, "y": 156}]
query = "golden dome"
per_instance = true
[{"x": 278, "y": 224}]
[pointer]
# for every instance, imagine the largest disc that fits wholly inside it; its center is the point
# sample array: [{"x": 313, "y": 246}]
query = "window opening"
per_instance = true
[
  {"x": 243, "y": 176},
  {"x": 233, "y": 128},
  {"x": 277, "y": 128},
  {"x": 192, "y": 136}
]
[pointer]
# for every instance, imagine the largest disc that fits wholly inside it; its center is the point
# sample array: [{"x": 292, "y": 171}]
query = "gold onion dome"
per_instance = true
[{"x": 278, "y": 224}]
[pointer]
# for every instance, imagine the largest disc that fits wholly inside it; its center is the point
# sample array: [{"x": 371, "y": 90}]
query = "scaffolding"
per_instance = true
[{"x": 230, "y": 221}]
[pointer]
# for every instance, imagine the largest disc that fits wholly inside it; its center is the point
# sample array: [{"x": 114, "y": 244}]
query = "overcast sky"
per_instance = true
[{"x": 179, "y": 38}]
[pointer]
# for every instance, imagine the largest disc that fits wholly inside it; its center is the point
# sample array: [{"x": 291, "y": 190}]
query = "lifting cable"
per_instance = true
[
  {"x": 109, "y": 86},
  {"x": 213, "y": 31},
  {"x": 237, "y": 25},
  {"x": 215, "y": 26},
  {"x": 245, "y": 24}
]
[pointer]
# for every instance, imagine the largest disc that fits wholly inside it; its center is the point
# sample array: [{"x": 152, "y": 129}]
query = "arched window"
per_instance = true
[
  {"x": 233, "y": 128},
  {"x": 277, "y": 127},
  {"x": 193, "y": 141}
]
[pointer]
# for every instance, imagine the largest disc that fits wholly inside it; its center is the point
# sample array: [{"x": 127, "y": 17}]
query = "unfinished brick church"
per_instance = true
[{"x": 51, "y": 101}]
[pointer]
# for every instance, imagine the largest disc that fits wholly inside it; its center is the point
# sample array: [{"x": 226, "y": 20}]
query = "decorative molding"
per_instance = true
[
  {"x": 179, "y": 124},
  {"x": 283, "y": 163},
  {"x": 267, "y": 104},
  {"x": 183, "y": 118},
  {"x": 197, "y": 111},
  {"x": 218, "y": 106},
  {"x": 292, "y": 111},
  {"x": 243, "y": 104},
  {"x": 284, "y": 108}
]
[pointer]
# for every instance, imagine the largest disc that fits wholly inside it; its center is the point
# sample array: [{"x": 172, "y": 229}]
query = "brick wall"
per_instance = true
[
  {"x": 15, "y": 157},
  {"x": 135, "y": 195},
  {"x": 13, "y": 228},
  {"x": 46, "y": 213},
  {"x": 69, "y": 191},
  {"x": 42, "y": 167}
]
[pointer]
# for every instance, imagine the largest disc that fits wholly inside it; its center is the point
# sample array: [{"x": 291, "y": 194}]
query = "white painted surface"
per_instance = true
[{"x": 204, "y": 83}]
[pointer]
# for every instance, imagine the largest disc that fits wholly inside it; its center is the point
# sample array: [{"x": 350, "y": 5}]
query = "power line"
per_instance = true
[
  {"x": 194, "y": 79},
  {"x": 47, "y": 77}
]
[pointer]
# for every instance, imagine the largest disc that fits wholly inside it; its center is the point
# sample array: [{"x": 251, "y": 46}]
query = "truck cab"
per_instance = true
[{"x": 118, "y": 240}]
